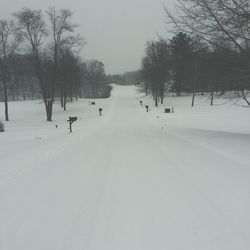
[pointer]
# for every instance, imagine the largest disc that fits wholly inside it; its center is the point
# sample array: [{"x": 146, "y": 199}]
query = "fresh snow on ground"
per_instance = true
[{"x": 127, "y": 180}]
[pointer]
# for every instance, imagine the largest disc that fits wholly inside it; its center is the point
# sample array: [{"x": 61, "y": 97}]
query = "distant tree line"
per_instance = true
[
  {"x": 39, "y": 58},
  {"x": 128, "y": 78},
  {"x": 209, "y": 51},
  {"x": 95, "y": 83}
]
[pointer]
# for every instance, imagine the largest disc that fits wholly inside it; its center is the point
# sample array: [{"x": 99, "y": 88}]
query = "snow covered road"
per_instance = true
[{"x": 126, "y": 181}]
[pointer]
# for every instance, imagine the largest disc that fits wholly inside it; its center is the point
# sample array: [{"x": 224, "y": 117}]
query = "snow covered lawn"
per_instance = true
[{"x": 127, "y": 180}]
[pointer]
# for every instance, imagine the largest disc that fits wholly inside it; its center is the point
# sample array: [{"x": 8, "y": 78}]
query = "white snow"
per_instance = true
[{"x": 127, "y": 180}]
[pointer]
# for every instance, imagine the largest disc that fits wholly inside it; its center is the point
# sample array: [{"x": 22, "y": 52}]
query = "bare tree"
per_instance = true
[
  {"x": 213, "y": 19},
  {"x": 31, "y": 26},
  {"x": 68, "y": 70},
  {"x": 95, "y": 77},
  {"x": 155, "y": 67},
  {"x": 63, "y": 39},
  {"x": 60, "y": 35},
  {"x": 9, "y": 42},
  {"x": 146, "y": 74}
]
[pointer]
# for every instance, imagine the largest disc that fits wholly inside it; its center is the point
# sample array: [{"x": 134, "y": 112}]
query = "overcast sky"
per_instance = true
[{"x": 115, "y": 30}]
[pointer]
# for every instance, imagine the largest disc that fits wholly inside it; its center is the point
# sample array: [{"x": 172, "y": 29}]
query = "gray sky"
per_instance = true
[{"x": 115, "y": 30}]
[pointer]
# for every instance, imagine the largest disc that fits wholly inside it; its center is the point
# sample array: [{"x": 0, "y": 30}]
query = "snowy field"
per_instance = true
[{"x": 128, "y": 180}]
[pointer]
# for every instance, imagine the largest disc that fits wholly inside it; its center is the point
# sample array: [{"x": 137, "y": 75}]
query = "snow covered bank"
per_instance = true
[
  {"x": 126, "y": 180},
  {"x": 224, "y": 116}
]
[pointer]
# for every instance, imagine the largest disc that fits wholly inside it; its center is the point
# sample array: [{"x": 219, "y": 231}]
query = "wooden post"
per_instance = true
[
  {"x": 70, "y": 127},
  {"x": 71, "y": 120}
]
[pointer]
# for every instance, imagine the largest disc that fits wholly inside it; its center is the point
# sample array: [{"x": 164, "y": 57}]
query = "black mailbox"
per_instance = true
[
  {"x": 92, "y": 103},
  {"x": 71, "y": 120},
  {"x": 100, "y": 111},
  {"x": 167, "y": 110},
  {"x": 147, "y": 107}
]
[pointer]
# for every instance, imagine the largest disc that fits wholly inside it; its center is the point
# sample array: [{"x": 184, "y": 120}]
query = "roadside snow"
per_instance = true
[{"x": 126, "y": 180}]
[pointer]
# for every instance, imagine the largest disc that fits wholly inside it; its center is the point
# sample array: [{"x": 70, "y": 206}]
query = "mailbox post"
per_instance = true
[
  {"x": 147, "y": 107},
  {"x": 71, "y": 120},
  {"x": 100, "y": 111}
]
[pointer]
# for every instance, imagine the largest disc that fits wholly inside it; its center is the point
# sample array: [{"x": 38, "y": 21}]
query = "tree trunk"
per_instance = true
[
  {"x": 71, "y": 93},
  {"x": 146, "y": 89},
  {"x": 49, "y": 110},
  {"x": 244, "y": 97},
  {"x": 6, "y": 101},
  {"x": 193, "y": 98},
  {"x": 61, "y": 97},
  {"x": 212, "y": 98},
  {"x": 24, "y": 96},
  {"x": 162, "y": 93},
  {"x": 162, "y": 99},
  {"x": 195, "y": 82},
  {"x": 156, "y": 99},
  {"x": 64, "y": 103},
  {"x": 65, "y": 96}
]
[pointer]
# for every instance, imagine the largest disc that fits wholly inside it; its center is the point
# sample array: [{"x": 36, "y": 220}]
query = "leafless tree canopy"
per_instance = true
[
  {"x": 9, "y": 42},
  {"x": 46, "y": 43},
  {"x": 213, "y": 19},
  {"x": 155, "y": 68},
  {"x": 32, "y": 27}
]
